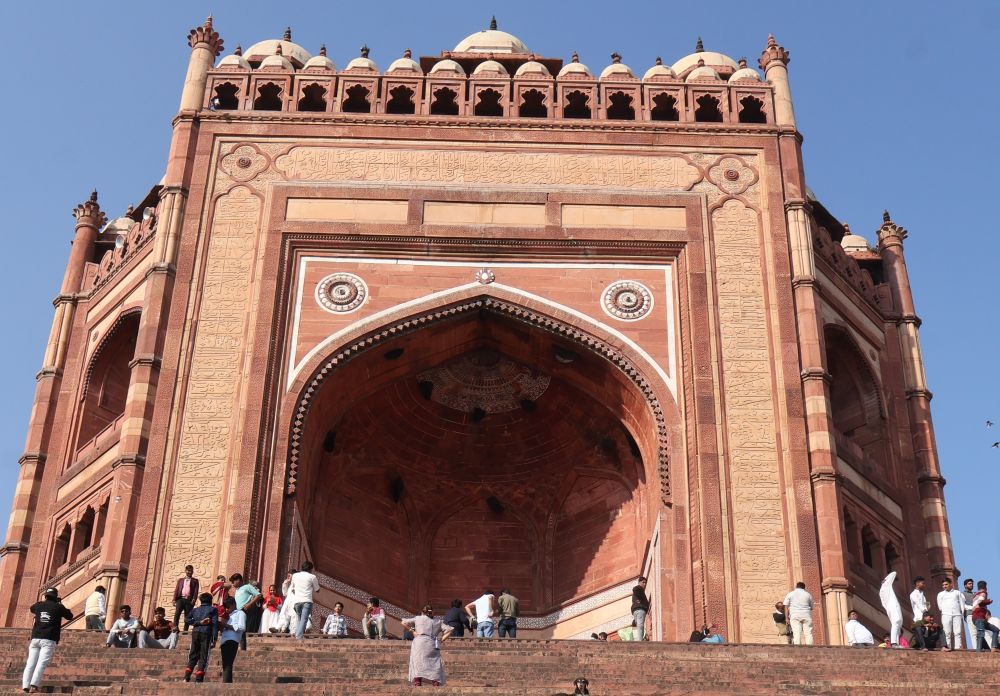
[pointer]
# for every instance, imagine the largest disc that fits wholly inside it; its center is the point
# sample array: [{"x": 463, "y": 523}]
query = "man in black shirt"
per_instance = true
[
  {"x": 49, "y": 614},
  {"x": 640, "y": 607},
  {"x": 457, "y": 619}
]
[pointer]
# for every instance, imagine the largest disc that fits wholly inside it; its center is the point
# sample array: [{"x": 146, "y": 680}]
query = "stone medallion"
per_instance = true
[
  {"x": 628, "y": 300},
  {"x": 341, "y": 292}
]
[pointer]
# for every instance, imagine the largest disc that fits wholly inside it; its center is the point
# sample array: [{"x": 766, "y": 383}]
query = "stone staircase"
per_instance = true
[{"x": 280, "y": 665}]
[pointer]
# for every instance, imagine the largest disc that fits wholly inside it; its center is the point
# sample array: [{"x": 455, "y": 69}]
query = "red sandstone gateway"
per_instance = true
[{"x": 483, "y": 320}]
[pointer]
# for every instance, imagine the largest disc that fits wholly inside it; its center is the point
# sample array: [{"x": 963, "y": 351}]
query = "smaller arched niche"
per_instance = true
[{"x": 107, "y": 380}]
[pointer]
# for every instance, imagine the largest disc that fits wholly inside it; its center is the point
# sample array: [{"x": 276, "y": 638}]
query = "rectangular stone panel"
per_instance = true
[
  {"x": 451, "y": 213},
  {"x": 643, "y": 217},
  {"x": 346, "y": 210}
]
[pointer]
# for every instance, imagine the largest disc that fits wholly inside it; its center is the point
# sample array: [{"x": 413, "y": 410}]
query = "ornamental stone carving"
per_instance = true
[
  {"x": 341, "y": 293},
  {"x": 732, "y": 175},
  {"x": 244, "y": 162},
  {"x": 627, "y": 300}
]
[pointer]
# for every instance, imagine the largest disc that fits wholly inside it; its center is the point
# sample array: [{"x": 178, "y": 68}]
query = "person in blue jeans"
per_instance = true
[
  {"x": 640, "y": 607},
  {"x": 304, "y": 584},
  {"x": 483, "y": 610}
]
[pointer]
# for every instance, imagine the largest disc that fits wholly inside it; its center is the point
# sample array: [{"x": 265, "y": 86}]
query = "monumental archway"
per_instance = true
[{"x": 481, "y": 444}]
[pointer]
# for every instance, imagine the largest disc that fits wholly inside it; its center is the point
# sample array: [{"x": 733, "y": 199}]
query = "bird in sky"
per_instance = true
[
  {"x": 996, "y": 445},
  {"x": 989, "y": 424}
]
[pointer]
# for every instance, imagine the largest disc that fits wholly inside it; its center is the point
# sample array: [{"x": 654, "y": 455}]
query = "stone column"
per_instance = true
[
  {"x": 918, "y": 399},
  {"x": 89, "y": 219},
  {"x": 812, "y": 353},
  {"x": 117, "y": 553}
]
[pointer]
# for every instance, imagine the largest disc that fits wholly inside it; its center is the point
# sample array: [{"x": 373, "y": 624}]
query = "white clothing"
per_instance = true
[
  {"x": 891, "y": 605},
  {"x": 802, "y": 629},
  {"x": 270, "y": 617},
  {"x": 303, "y": 586},
  {"x": 484, "y": 608},
  {"x": 919, "y": 604},
  {"x": 127, "y": 627},
  {"x": 39, "y": 653},
  {"x": 973, "y": 631},
  {"x": 994, "y": 621},
  {"x": 952, "y": 625},
  {"x": 857, "y": 634},
  {"x": 951, "y": 603},
  {"x": 288, "y": 618},
  {"x": 96, "y": 605},
  {"x": 336, "y": 625},
  {"x": 146, "y": 640},
  {"x": 799, "y": 603}
]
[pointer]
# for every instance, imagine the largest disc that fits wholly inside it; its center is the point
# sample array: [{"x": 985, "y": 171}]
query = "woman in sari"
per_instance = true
[
  {"x": 425, "y": 654},
  {"x": 272, "y": 609},
  {"x": 219, "y": 590}
]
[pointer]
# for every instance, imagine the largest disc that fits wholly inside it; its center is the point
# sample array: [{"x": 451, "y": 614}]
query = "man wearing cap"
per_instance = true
[{"x": 49, "y": 614}]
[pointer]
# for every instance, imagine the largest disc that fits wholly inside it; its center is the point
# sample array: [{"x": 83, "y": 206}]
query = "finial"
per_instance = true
[
  {"x": 238, "y": 51},
  {"x": 277, "y": 51},
  {"x": 847, "y": 229},
  {"x": 288, "y": 34},
  {"x": 885, "y": 216},
  {"x": 772, "y": 53},
  {"x": 659, "y": 61},
  {"x": 493, "y": 23},
  {"x": 206, "y": 34},
  {"x": 575, "y": 58},
  {"x": 208, "y": 23},
  {"x": 93, "y": 196},
  {"x": 407, "y": 53},
  {"x": 770, "y": 41},
  {"x": 322, "y": 49},
  {"x": 701, "y": 62},
  {"x": 128, "y": 211},
  {"x": 364, "y": 51},
  {"x": 616, "y": 57},
  {"x": 743, "y": 62},
  {"x": 699, "y": 47}
]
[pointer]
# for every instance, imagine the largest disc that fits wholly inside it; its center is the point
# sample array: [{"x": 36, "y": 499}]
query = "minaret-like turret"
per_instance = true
[
  {"x": 918, "y": 399},
  {"x": 206, "y": 45},
  {"x": 774, "y": 62}
]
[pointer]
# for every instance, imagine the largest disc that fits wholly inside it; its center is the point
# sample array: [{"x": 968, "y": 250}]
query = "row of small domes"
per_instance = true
[{"x": 284, "y": 55}]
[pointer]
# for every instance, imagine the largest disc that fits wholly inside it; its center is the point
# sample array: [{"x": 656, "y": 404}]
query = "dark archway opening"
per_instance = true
[
  {"x": 533, "y": 105},
  {"x": 268, "y": 98},
  {"x": 708, "y": 109},
  {"x": 621, "y": 107},
  {"x": 444, "y": 103},
  {"x": 752, "y": 110},
  {"x": 665, "y": 108},
  {"x": 577, "y": 105},
  {"x": 489, "y": 103},
  {"x": 109, "y": 374},
  {"x": 313, "y": 98},
  {"x": 357, "y": 100},
  {"x": 483, "y": 454},
  {"x": 226, "y": 97},
  {"x": 400, "y": 101}
]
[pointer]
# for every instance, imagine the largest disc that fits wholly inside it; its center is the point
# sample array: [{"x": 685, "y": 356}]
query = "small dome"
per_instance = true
[
  {"x": 720, "y": 62},
  {"x": 295, "y": 54},
  {"x": 575, "y": 68},
  {"x": 447, "y": 65},
  {"x": 278, "y": 62},
  {"x": 362, "y": 63},
  {"x": 853, "y": 242},
  {"x": 659, "y": 71},
  {"x": 702, "y": 72},
  {"x": 617, "y": 69},
  {"x": 490, "y": 66},
  {"x": 744, "y": 75},
  {"x": 234, "y": 61},
  {"x": 491, "y": 41},
  {"x": 119, "y": 225},
  {"x": 532, "y": 67},
  {"x": 405, "y": 64},
  {"x": 321, "y": 62}
]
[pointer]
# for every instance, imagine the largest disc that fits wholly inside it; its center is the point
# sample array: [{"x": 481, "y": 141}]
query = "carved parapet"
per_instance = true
[
  {"x": 845, "y": 266},
  {"x": 772, "y": 53},
  {"x": 205, "y": 34},
  {"x": 132, "y": 241}
]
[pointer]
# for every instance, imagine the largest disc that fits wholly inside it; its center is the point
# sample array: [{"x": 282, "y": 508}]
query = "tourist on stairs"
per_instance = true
[
  {"x": 457, "y": 619},
  {"x": 45, "y": 632},
  {"x": 979, "y": 604},
  {"x": 185, "y": 592},
  {"x": 509, "y": 611},
  {"x": 483, "y": 610},
  {"x": 159, "y": 633},
  {"x": 857, "y": 635},
  {"x": 373, "y": 622},
  {"x": 231, "y": 634},
  {"x": 123, "y": 630},
  {"x": 205, "y": 629},
  {"x": 272, "y": 609},
  {"x": 887, "y": 593},
  {"x": 640, "y": 607},
  {"x": 951, "y": 602},
  {"x": 336, "y": 622},
  {"x": 425, "y": 653},
  {"x": 918, "y": 600},
  {"x": 304, "y": 586},
  {"x": 968, "y": 594},
  {"x": 799, "y": 609},
  {"x": 927, "y": 635},
  {"x": 95, "y": 609}
]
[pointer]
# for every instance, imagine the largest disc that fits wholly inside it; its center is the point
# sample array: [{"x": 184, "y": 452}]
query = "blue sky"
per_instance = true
[{"x": 897, "y": 101}]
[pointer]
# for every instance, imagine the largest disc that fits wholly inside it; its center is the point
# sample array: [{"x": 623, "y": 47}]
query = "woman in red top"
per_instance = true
[
  {"x": 219, "y": 590},
  {"x": 272, "y": 609}
]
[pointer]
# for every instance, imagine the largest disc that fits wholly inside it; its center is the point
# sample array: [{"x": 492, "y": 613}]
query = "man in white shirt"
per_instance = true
[
  {"x": 95, "y": 609},
  {"x": 798, "y": 608},
  {"x": 304, "y": 585},
  {"x": 951, "y": 603},
  {"x": 122, "y": 633},
  {"x": 483, "y": 610},
  {"x": 857, "y": 635},
  {"x": 231, "y": 632},
  {"x": 918, "y": 600},
  {"x": 336, "y": 622}
]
